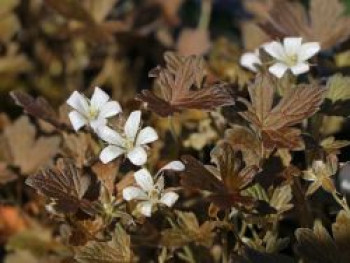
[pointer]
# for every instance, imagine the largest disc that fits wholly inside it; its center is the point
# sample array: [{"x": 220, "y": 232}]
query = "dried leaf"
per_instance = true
[
  {"x": 81, "y": 147},
  {"x": 188, "y": 230},
  {"x": 281, "y": 199},
  {"x": 316, "y": 245},
  {"x": 177, "y": 82},
  {"x": 244, "y": 140},
  {"x": 115, "y": 251},
  {"x": 22, "y": 144},
  {"x": 254, "y": 256},
  {"x": 341, "y": 233},
  {"x": 63, "y": 184},
  {"x": 225, "y": 182},
  {"x": 71, "y": 9},
  {"x": 107, "y": 174},
  {"x": 274, "y": 121},
  {"x": 325, "y": 22},
  {"x": 38, "y": 240},
  {"x": 337, "y": 96},
  {"x": 39, "y": 107}
]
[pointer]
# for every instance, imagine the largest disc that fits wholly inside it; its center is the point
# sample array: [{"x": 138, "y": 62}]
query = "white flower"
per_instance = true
[
  {"x": 291, "y": 55},
  {"x": 131, "y": 142},
  {"x": 250, "y": 60},
  {"x": 92, "y": 112},
  {"x": 149, "y": 193}
]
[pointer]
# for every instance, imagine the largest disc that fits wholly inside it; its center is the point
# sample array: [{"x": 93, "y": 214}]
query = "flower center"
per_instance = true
[
  {"x": 128, "y": 144},
  {"x": 153, "y": 195},
  {"x": 292, "y": 60},
  {"x": 93, "y": 113}
]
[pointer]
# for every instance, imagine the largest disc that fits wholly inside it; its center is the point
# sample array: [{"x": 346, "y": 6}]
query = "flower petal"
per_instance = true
[
  {"x": 110, "y": 136},
  {"x": 99, "y": 98},
  {"x": 110, "y": 153},
  {"x": 308, "y": 50},
  {"x": 300, "y": 68},
  {"x": 132, "y": 192},
  {"x": 292, "y": 45},
  {"x": 144, "y": 179},
  {"x": 132, "y": 124},
  {"x": 174, "y": 165},
  {"x": 145, "y": 208},
  {"x": 278, "y": 69},
  {"x": 98, "y": 123},
  {"x": 137, "y": 156},
  {"x": 146, "y": 135},
  {"x": 78, "y": 102},
  {"x": 110, "y": 109},
  {"x": 275, "y": 49},
  {"x": 169, "y": 198},
  {"x": 77, "y": 120},
  {"x": 249, "y": 60}
]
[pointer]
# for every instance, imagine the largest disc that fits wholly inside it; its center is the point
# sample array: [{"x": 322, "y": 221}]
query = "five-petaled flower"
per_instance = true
[
  {"x": 151, "y": 193},
  {"x": 292, "y": 54},
  {"x": 131, "y": 142},
  {"x": 92, "y": 112}
]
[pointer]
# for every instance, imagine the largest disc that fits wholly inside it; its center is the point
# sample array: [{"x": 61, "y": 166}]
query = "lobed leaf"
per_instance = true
[
  {"x": 64, "y": 184},
  {"x": 181, "y": 83},
  {"x": 115, "y": 251}
]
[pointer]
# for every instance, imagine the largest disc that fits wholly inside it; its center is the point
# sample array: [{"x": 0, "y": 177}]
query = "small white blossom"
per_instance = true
[
  {"x": 292, "y": 54},
  {"x": 132, "y": 142},
  {"x": 151, "y": 193},
  {"x": 92, "y": 112},
  {"x": 250, "y": 60}
]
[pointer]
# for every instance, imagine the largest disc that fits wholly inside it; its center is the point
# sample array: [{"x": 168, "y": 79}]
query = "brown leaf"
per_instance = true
[
  {"x": 188, "y": 230},
  {"x": 341, "y": 233},
  {"x": 115, "y": 251},
  {"x": 81, "y": 147},
  {"x": 274, "y": 122},
  {"x": 232, "y": 172},
  {"x": 182, "y": 87},
  {"x": 27, "y": 152},
  {"x": 39, "y": 107},
  {"x": 244, "y": 140},
  {"x": 225, "y": 181},
  {"x": 324, "y": 23},
  {"x": 63, "y": 184},
  {"x": 316, "y": 245},
  {"x": 107, "y": 173},
  {"x": 71, "y": 9},
  {"x": 196, "y": 176}
]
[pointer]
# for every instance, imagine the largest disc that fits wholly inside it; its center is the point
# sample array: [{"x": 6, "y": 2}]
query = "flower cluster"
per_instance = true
[
  {"x": 95, "y": 112},
  {"x": 291, "y": 55},
  {"x": 131, "y": 142}
]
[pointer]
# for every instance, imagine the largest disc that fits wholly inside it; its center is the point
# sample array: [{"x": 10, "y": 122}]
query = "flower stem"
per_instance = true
[
  {"x": 204, "y": 19},
  {"x": 174, "y": 135}
]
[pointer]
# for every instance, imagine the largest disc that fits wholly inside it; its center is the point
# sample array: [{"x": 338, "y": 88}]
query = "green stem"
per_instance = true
[{"x": 204, "y": 19}]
